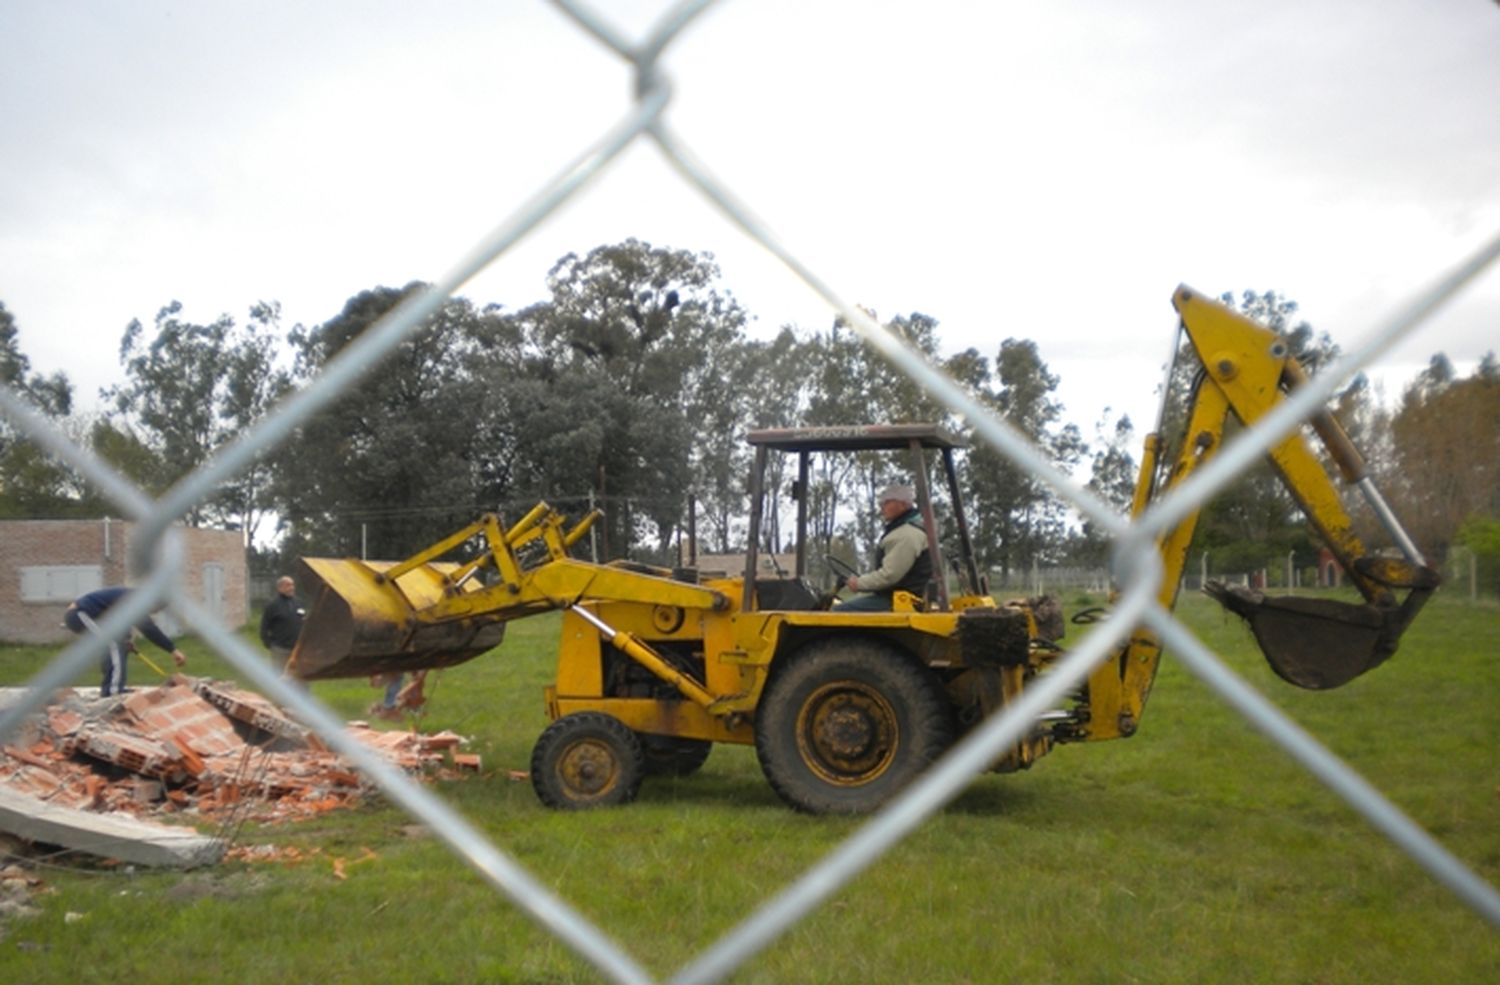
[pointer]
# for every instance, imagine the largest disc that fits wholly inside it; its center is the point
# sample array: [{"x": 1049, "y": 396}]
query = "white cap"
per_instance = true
[{"x": 899, "y": 493}]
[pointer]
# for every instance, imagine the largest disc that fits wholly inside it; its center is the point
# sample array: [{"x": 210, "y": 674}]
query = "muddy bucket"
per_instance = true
[
  {"x": 1314, "y": 643},
  {"x": 362, "y": 624}
]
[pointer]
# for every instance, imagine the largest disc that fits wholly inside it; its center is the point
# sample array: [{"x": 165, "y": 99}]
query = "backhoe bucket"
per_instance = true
[
  {"x": 1316, "y": 643},
  {"x": 361, "y": 625}
]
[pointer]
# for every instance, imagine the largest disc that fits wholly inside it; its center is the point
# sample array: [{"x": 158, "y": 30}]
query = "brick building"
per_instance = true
[{"x": 45, "y": 564}]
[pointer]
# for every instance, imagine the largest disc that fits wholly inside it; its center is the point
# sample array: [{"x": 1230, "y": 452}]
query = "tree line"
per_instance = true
[{"x": 630, "y": 387}]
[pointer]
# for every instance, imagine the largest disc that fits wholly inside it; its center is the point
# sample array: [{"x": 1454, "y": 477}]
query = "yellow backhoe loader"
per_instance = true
[{"x": 845, "y": 708}]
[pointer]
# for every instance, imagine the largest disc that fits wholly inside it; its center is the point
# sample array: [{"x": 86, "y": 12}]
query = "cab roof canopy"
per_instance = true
[{"x": 862, "y": 437}]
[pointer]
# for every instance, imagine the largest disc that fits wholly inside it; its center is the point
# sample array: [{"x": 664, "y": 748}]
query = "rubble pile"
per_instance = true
[{"x": 201, "y": 748}]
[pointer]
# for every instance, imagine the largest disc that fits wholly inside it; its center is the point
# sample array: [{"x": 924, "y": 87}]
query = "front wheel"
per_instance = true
[
  {"x": 848, "y": 723},
  {"x": 587, "y": 759}
]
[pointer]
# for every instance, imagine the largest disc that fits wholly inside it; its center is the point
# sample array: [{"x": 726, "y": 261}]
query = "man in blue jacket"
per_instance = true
[{"x": 85, "y": 613}]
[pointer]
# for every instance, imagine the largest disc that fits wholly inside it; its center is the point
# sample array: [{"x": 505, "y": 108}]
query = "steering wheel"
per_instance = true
[
  {"x": 843, "y": 569},
  {"x": 842, "y": 572}
]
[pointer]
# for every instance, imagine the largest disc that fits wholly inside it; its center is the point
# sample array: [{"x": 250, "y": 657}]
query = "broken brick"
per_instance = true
[
  {"x": 174, "y": 709},
  {"x": 62, "y": 721},
  {"x": 183, "y": 745},
  {"x": 191, "y": 761},
  {"x": 134, "y": 752},
  {"x": 93, "y": 786},
  {"x": 252, "y": 709},
  {"x": 439, "y": 741},
  {"x": 144, "y": 791},
  {"x": 27, "y": 756},
  {"x": 36, "y": 782}
]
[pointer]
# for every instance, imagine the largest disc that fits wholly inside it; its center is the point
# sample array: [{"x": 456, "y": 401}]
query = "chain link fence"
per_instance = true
[{"x": 160, "y": 562}]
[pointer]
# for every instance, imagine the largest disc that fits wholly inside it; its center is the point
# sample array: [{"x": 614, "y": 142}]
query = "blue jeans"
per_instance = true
[{"x": 112, "y": 665}]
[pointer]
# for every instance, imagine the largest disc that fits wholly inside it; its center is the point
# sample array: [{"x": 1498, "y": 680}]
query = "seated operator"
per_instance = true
[{"x": 902, "y": 560}]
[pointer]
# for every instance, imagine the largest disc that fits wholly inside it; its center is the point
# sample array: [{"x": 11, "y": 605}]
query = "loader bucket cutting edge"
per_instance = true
[
  {"x": 359, "y": 627},
  {"x": 1314, "y": 643}
]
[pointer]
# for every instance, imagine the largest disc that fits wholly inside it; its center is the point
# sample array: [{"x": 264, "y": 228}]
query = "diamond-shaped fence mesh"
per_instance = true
[{"x": 1136, "y": 563}]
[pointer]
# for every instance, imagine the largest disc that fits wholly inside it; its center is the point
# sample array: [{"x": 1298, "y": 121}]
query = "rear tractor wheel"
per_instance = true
[
  {"x": 587, "y": 759},
  {"x": 848, "y": 723}
]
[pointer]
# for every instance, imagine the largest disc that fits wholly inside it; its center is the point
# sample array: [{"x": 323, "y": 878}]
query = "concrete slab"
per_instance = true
[
  {"x": 118, "y": 836},
  {"x": 11, "y": 696}
]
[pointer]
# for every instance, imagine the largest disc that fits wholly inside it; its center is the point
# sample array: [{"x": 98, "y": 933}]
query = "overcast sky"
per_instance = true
[{"x": 1048, "y": 170}]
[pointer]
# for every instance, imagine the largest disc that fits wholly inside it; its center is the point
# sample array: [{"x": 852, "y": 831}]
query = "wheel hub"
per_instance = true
[
  {"x": 588, "y": 768},
  {"x": 847, "y": 733}
]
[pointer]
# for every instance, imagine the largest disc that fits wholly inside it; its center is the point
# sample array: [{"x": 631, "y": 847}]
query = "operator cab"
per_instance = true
[{"x": 919, "y": 442}]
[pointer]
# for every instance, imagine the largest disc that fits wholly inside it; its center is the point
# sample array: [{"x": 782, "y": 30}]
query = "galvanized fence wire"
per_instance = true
[{"x": 158, "y": 559}]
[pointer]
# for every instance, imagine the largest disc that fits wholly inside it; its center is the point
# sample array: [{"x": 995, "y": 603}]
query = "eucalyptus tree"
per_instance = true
[
  {"x": 1446, "y": 438},
  {"x": 765, "y": 385},
  {"x": 404, "y": 456},
  {"x": 634, "y": 343},
  {"x": 31, "y": 483},
  {"x": 190, "y": 388},
  {"x": 52, "y": 395},
  {"x": 1017, "y": 518},
  {"x": 854, "y": 384},
  {"x": 1112, "y": 477}
]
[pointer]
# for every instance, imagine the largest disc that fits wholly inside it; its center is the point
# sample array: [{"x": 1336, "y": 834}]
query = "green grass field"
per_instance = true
[{"x": 1194, "y": 852}]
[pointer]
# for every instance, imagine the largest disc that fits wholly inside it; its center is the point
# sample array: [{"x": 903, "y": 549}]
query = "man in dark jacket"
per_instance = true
[
  {"x": 85, "y": 612},
  {"x": 902, "y": 560},
  {"x": 281, "y": 623}
]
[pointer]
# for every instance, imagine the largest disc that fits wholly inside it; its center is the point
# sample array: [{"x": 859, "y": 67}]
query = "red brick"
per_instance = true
[
  {"x": 63, "y": 722},
  {"x": 191, "y": 761},
  {"x": 37, "y": 782},
  {"x": 26, "y": 756}
]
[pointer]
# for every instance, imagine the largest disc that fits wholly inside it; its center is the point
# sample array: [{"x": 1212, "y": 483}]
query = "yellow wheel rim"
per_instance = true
[
  {"x": 589, "y": 769},
  {"x": 847, "y": 733}
]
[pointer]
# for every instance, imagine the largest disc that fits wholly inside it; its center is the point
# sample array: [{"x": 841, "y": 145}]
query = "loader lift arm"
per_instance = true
[
  {"x": 1247, "y": 370},
  {"x": 377, "y": 617}
]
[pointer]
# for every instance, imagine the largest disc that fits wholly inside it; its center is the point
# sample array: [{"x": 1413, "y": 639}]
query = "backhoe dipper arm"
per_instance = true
[{"x": 1314, "y": 643}]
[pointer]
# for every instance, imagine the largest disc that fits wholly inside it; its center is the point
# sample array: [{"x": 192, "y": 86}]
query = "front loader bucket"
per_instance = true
[
  {"x": 360, "y": 624},
  {"x": 1316, "y": 643}
]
